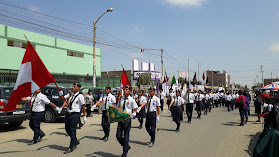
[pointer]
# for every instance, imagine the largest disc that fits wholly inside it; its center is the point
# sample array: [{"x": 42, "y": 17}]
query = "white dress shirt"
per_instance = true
[
  {"x": 162, "y": 96},
  {"x": 178, "y": 101},
  {"x": 199, "y": 97},
  {"x": 38, "y": 102},
  {"x": 189, "y": 98},
  {"x": 152, "y": 104},
  {"x": 170, "y": 96},
  {"x": 127, "y": 104},
  {"x": 142, "y": 99},
  {"x": 228, "y": 98},
  {"x": 76, "y": 103},
  {"x": 207, "y": 97},
  {"x": 109, "y": 99}
]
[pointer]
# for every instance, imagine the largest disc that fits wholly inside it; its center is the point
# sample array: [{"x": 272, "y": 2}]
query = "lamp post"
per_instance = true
[{"x": 94, "y": 42}]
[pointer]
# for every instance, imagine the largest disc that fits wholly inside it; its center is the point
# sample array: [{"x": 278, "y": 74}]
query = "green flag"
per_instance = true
[
  {"x": 117, "y": 115},
  {"x": 173, "y": 81}
]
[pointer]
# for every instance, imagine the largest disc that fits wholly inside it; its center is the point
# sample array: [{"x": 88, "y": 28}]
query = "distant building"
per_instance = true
[
  {"x": 269, "y": 81},
  {"x": 216, "y": 78}
]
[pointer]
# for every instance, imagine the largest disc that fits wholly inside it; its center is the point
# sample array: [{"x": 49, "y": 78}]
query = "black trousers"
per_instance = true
[
  {"x": 71, "y": 121},
  {"x": 229, "y": 105},
  {"x": 162, "y": 104},
  {"x": 189, "y": 111},
  {"x": 124, "y": 127},
  {"x": 88, "y": 110},
  {"x": 34, "y": 123},
  {"x": 105, "y": 123},
  {"x": 150, "y": 125}
]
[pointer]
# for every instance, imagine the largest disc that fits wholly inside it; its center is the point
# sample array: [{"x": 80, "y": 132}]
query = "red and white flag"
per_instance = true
[
  {"x": 32, "y": 76},
  {"x": 125, "y": 81}
]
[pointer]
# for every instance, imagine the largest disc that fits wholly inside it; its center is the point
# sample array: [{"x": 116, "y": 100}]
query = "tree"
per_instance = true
[{"x": 146, "y": 78}]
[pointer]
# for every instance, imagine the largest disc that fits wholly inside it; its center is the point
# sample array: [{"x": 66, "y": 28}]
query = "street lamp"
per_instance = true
[{"x": 94, "y": 42}]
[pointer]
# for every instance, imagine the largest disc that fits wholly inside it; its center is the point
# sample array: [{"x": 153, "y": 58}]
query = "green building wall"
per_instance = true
[{"x": 52, "y": 51}]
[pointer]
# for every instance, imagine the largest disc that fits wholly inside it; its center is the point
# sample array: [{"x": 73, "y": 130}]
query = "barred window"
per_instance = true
[
  {"x": 75, "y": 54},
  {"x": 17, "y": 44}
]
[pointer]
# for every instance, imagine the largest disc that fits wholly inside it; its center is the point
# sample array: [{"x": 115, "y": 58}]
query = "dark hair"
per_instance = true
[
  {"x": 127, "y": 86},
  {"x": 108, "y": 87},
  {"x": 239, "y": 92},
  {"x": 245, "y": 94},
  {"x": 178, "y": 91},
  {"x": 141, "y": 91},
  {"x": 151, "y": 88},
  {"x": 77, "y": 84}
]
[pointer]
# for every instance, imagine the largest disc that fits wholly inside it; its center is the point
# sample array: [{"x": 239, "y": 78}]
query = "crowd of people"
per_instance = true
[{"x": 142, "y": 106}]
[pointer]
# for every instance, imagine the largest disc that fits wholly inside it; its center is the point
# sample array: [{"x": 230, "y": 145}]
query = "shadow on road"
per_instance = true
[
  {"x": 91, "y": 137},
  {"x": 138, "y": 142},
  {"x": 253, "y": 142},
  {"x": 59, "y": 133},
  {"x": 61, "y": 148},
  {"x": 96, "y": 125},
  {"x": 18, "y": 140},
  {"x": 101, "y": 154},
  {"x": 231, "y": 123},
  {"x": 166, "y": 129},
  {"x": 11, "y": 152},
  {"x": 8, "y": 128}
]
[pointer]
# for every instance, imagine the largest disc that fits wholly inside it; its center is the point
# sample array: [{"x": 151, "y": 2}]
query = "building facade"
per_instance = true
[
  {"x": 216, "y": 78},
  {"x": 66, "y": 61}
]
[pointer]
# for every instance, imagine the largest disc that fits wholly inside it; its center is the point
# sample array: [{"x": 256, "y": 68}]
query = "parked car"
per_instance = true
[
  {"x": 16, "y": 117},
  {"x": 52, "y": 94}
]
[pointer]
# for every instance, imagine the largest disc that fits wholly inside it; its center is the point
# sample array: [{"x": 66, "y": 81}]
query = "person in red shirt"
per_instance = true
[{"x": 241, "y": 104}]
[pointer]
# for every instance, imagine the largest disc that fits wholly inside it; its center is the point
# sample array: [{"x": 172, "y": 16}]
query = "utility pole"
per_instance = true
[
  {"x": 271, "y": 78},
  {"x": 257, "y": 79},
  {"x": 162, "y": 62},
  {"x": 198, "y": 71},
  {"x": 262, "y": 74},
  {"x": 189, "y": 73}
]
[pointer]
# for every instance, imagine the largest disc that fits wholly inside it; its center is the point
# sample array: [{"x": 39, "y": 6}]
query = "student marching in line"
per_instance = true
[
  {"x": 178, "y": 108},
  {"x": 141, "y": 109},
  {"x": 38, "y": 107},
  {"x": 107, "y": 100},
  {"x": 126, "y": 104},
  {"x": 199, "y": 99},
  {"x": 152, "y": 115},
  {"x": 189, "y": 99},
  {"x": 72, "y": 117}
]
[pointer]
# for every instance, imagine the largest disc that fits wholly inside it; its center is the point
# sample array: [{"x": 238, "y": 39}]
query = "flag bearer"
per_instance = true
[
  {"x": 141, "y": 109},
  {"x": 189, "y": 99},
  {"x": 38, "y": 102},
  {"x": 72, "y": 116},
  {"x": 178, "y": 108},
  {"x": 127, "y": 104},
  {"x": 152, "y": 115},
  {"x": 106, "y": 100}
]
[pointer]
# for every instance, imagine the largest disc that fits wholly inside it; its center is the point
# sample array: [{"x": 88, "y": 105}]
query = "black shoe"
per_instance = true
[
  {"x": 105, "y": 139},
  {"x": 41, "y": 138},
  {"x": 33, "y": 142},
  {"x": 77, "y": 143},
  {"x": 70, "y": 150},
  {"x": 177, "y": 130},
  {"x": 151, "y": 144},
  {"x": 140, "y": 127},
  {"x": 124, "y": 154},
  {"x": 240, "y": 124},
  {"x": 258, "y": 121}
]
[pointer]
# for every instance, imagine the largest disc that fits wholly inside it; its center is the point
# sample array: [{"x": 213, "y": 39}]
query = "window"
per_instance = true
[
  {"x": 17, "y": 44},
  {"x": 75, "y": 54}
]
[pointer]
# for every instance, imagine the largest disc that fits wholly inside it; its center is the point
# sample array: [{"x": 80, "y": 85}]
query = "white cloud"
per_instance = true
[
  {"x": 274, "y": 48},
  {"x": 34, "y": 8},
  {"x": 186, "y": 3}
]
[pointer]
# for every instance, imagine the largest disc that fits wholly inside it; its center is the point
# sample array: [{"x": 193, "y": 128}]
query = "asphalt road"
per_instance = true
[{"x": 214, "y": 135}]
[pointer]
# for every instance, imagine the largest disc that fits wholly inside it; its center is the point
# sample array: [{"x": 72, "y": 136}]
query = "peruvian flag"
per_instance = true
[
  {"x": 32, "y": 76},
  {"x": 142, "y": 50},
  {"x": 125, "y": 81}
]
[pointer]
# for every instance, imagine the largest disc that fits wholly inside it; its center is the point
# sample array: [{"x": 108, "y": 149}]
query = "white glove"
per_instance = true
[
  {"x": 84, "y": 119},
  {"x": 60, "y": 110},
  {"x": 93, "y": 107},
  {"x": 60, "y": 93},
  {"x": 157, "y": 118},
  {"x": 57, "y": 109},
  {"x": 138, "y": 110},
  {"x": 134, "y": 114}
]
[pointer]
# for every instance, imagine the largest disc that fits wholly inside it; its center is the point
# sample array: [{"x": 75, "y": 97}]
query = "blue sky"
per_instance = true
[{"x": 233, "y": 35}]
